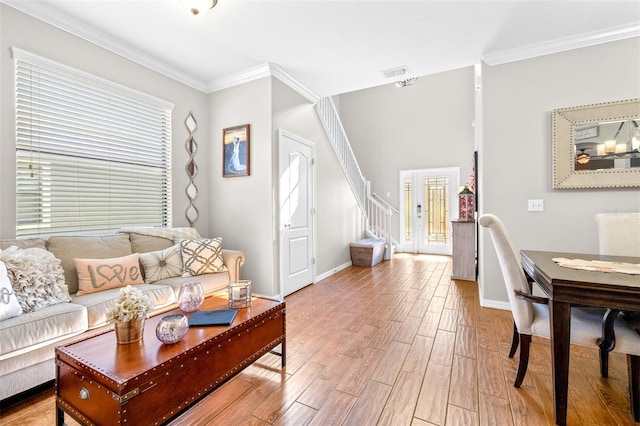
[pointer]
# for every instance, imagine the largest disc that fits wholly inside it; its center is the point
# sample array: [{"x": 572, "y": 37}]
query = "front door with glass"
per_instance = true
[{"x": 429, "y": 203}]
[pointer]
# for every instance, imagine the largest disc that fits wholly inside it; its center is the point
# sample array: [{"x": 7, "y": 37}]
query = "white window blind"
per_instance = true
[{"x": 91, "y": 156}]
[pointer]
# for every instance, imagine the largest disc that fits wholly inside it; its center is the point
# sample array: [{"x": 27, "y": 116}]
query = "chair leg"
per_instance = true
[
  {"x": 523, "y": 363},
  {"x": 514, "y": 341},
  {"x": 633, "y": 365},
  {"x": 608, "y": 340}
]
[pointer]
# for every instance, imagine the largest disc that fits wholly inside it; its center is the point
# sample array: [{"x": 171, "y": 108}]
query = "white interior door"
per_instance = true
[
  {"x": 296, "y": 189},
  {"x": 430, "y": 202}
]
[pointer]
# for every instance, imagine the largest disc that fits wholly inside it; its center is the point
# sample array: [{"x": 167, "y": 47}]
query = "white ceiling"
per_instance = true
[{"x": 333, "y": 47}]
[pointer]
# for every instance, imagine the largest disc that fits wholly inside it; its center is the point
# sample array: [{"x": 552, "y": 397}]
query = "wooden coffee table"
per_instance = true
[{"x": 147, "y": 383}]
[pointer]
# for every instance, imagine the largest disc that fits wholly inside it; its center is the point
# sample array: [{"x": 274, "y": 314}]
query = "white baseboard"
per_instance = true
[
  {"x": 495, "y": 304},
  {"x": 320, "y": 277},
  {"x": 332, "y": 271}
]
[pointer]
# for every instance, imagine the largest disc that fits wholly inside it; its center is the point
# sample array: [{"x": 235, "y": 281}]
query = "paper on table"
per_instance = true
[{"x": 599, "y": 265}]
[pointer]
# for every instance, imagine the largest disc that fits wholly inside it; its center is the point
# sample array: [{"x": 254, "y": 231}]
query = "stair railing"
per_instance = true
[
  {"x": 377, "y": 215},
  {"x": 338, "y": 137},
  {"x": 381, "y": 213}
]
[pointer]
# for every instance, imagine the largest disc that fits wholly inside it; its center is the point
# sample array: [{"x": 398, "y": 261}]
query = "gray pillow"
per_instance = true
[{"x": 161, "y": 264}]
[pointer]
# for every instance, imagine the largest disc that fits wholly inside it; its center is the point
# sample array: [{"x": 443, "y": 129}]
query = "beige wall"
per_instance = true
[
  {"x": 22, "y": 31},
  {"x": 515, "y": 159},
  {"x": 424, "y": 126},
  {"x": 241, "y": 208},
  {"x": 244, "y": 210}
]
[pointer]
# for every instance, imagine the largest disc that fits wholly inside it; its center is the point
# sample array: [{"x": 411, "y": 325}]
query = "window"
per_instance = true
[{"x": 91, "y": 156}]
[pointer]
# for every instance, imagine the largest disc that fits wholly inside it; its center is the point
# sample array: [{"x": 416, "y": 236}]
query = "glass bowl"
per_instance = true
[
  {"x": 190, "y": 296},
  {"x": 172, "y": 328}
]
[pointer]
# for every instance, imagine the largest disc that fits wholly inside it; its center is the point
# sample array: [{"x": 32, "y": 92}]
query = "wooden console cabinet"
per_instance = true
[{"x": 464, "y": 250}]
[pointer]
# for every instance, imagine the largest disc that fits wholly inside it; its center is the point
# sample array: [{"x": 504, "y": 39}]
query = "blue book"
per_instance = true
[{"x": 217, "y": 317}]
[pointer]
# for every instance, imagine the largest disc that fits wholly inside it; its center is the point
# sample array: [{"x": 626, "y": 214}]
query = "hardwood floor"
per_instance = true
[{"x": 397, "y": 344}]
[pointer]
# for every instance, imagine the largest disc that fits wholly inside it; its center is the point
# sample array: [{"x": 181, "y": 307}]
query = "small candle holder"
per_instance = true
[
  {"x": 190, "y": 296},
  {"x": 240, "y": 294}
]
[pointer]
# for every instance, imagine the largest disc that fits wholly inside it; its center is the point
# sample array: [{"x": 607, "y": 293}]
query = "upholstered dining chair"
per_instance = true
[
  {"x": 531, "y": 314},
  {"x": 618, "y": 235}
]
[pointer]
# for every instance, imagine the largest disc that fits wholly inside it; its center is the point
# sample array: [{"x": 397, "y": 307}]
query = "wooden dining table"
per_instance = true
[{"x": 566, "y": 287}]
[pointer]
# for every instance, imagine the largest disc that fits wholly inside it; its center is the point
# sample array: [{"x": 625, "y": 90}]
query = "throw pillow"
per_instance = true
[
  {"x": 162, "y": 264},
  {"x": 36, "y": 277},
  {"x": 9, "y": 305},
  {"x": 202, "y": 256},
  {"x": 103, "y": 274}
]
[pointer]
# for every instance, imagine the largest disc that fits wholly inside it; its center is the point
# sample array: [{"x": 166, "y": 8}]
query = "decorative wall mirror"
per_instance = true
[
  {"x": 596, "y": 146},
  {"x": 191, "y": 212}
]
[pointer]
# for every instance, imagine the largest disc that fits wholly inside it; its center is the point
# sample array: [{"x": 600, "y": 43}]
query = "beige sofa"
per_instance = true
[{"x": 28, "y": 340}]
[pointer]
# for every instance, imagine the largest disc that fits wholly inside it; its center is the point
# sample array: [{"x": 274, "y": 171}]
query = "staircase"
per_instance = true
[{"x": 376, "y": 212}]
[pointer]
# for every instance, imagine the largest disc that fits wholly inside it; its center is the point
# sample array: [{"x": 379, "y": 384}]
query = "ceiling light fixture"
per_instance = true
[
  {"x": 583, "y": 157},
  {"x": 406, "y": 82},
  {"x": 198, "y": 6}
]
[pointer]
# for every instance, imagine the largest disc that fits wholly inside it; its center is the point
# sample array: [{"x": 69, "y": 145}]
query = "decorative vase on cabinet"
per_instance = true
[
  {"x": 129, "y": 331},
  {"x": 464, "y": 250}
]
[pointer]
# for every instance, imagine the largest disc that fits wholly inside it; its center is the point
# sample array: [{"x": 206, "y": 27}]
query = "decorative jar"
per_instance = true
[
  {"x": 172, "y": 328},
  {"x": 240, "y": 294},
  {"x": 190, "y": 296},
  {"x": 129, "y": 331}
]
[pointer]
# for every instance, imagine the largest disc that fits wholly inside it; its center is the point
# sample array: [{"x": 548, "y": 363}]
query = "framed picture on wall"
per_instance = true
[{"x": 235, "y": 151}]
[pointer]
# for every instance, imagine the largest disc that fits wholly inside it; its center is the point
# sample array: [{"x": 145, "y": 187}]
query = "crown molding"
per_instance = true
[
  {"x": 238, "y": 78},
  {"x": 287, "y": 79},
  {"x": 41, "y": 11},
  {"x": 264, "y": 70},
  {"x": 562, "y": 45},
  {"x": 51, "y": 16}
]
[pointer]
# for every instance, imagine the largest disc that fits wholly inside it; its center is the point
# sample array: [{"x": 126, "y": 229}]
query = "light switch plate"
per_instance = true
[{"x": 536, "y": 205}]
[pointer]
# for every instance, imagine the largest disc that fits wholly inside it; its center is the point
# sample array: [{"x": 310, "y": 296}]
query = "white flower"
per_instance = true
[{"x": 132, "y": 304}]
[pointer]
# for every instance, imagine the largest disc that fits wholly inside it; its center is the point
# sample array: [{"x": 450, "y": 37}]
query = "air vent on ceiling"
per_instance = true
[{"x": 395, "y": 72}]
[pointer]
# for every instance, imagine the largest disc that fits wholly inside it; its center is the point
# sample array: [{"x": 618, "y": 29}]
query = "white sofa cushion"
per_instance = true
[
  {"x": 211, "y": 283},
  {"x": 30, "y": 331},
  {"x": 98, "y": 303}
]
